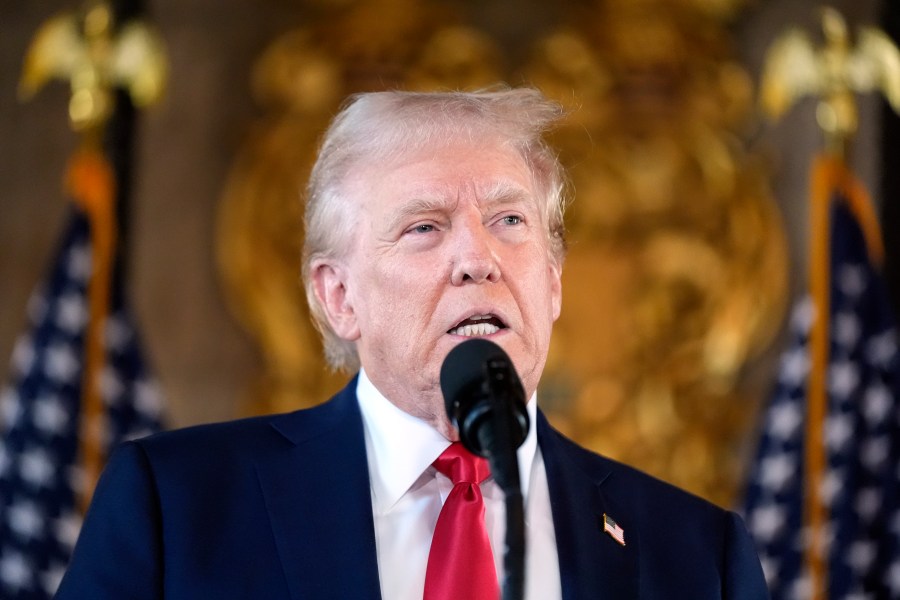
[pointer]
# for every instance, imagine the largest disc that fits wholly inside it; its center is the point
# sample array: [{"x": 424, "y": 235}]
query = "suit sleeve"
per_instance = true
[
  {"x": 744, "y": 578},
  {"x": 119, "y": 552}
]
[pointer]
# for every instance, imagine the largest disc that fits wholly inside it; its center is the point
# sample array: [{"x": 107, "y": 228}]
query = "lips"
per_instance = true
[{"x": 478, "y": 325}]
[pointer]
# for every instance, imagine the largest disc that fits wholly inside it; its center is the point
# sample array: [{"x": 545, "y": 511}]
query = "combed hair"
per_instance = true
[{"x": 374, "y": 128}]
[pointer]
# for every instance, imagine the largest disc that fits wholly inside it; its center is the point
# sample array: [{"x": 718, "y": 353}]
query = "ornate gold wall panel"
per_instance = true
[{"x": 676, "y": 274}]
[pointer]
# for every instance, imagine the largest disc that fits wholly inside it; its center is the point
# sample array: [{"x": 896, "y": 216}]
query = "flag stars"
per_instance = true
[
  {"x": 766, "y": 522},
  {"x": 868, "y": 503},
  {"x": 843, "y": 378},
  {"x": 117, "y": 334},
  {"x": 838, "y": 430},
  {"x": 877, "y": 404},
  {"x": 832, "y": 485},
  {"x": 785, "y": 420},
  {"x": 111, "y": 387},
  {"x": 776, "y": 471},
  {"x": 78, "y": 263},
  {"x": 148, "y": 398},
  {"x": 860, "y": 556},
  {"x": 10, "y": 408},
  {"x": 874, "y": 452},
  {"x": 15, "y": 571},
  {"x": 893, "y": 578},
  {"x": 36, "y": 467},
  {"x": 803, "y": 315},
  {"x": 23, "y": 355},
  {"x": 50, "y": 417},
  {"x": 882, "y": 349},
  {"x": 71, "y": 313},
  {"x": 62, "y": 364},
  {"x": 851, "y": 280},
  {"x": 801, "y": 589},
  {"x": 846, "y": 329},
  {"x": 25, "y": 519},
  {"x": 794, "y": 367},
  {"x": 67, "y": 528}
]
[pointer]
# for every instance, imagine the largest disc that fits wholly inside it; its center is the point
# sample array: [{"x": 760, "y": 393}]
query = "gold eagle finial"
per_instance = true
[
  {"x": 834, "y": 72},
  {"x": 79, "y": 47}
]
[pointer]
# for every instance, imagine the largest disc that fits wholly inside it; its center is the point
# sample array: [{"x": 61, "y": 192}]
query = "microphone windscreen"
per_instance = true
[{"x": 464, "y": 369}]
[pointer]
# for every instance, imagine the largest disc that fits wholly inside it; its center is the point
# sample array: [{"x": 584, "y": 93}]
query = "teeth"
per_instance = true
[
  {"x": 480, "y": 317},
  {"x": 476, "y": 329}
]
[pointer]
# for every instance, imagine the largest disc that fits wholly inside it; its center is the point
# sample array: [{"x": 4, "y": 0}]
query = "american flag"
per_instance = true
[
  {"x": 613, "y": 529},
  {"x": 861, "y": 433},
  {"x": 40, "y": 479}
]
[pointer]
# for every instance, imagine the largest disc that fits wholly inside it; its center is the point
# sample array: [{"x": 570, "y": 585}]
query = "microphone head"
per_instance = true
[{"x": 478, "y": 379}]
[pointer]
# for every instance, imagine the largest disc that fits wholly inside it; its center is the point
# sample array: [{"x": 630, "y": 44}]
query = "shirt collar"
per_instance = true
[{"x": 401, "y": 447}]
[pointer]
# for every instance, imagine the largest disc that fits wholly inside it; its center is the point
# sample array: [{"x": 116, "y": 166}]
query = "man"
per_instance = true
[{"x": 431, "y": 219}]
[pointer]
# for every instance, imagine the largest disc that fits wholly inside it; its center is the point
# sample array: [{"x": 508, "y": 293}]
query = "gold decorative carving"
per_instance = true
[{"x": 676, "y": 277}]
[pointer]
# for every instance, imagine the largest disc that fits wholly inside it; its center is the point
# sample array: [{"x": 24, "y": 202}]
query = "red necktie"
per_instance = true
[{"x": 461, "y": 563}]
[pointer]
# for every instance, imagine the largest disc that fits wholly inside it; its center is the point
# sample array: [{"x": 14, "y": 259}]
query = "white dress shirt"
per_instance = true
[{"x": 408, "y": 493}]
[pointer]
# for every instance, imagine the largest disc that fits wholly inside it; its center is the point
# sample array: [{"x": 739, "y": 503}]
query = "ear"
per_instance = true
[
  {"x": 330, "y": 286},
  {"x": 555, "y": 288}
]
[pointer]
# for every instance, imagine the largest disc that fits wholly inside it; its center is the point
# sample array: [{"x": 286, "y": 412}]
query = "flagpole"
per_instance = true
[
  {"x": 110, "y": 235},
  {"x": 118, "y": 144},
  {"x": 814, "y": 513}
]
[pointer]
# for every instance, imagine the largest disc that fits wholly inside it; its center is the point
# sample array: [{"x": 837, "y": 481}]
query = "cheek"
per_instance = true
[{"x": 395, "y": 301}]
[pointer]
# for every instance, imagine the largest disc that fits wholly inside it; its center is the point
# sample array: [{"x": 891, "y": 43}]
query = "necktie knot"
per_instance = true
[{"x": 461, "y": 466}]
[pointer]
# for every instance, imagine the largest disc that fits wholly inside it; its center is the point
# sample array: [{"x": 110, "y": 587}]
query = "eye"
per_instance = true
[
  {"x": 423, "y": 228},
  {"x": 512, "y": 220}
]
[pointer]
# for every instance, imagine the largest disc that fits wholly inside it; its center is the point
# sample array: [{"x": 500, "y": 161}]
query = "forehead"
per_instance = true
[{"x": 486, "y": 170}]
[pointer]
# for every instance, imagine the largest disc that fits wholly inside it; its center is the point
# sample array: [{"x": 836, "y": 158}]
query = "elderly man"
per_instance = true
[{"x": 431, "y": 219}]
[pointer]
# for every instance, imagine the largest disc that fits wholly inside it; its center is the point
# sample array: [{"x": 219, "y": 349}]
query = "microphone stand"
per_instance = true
[{"x": 505, "y": 468}]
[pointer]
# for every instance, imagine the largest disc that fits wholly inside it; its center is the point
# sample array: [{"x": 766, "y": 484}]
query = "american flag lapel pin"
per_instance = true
[{"x": 613, "y": 529}]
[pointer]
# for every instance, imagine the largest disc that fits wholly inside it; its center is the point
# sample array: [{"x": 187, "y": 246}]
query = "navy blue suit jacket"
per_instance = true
[{"x": 279, "y": 507}]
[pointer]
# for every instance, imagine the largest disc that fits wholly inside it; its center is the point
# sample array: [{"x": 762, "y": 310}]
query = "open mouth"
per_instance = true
[{"x": 477, "y": 325}]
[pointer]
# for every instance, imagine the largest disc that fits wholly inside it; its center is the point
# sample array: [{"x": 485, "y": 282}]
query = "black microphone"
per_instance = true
[
  {"x": 486, "y": 402},
  {"x": 483, "y": 396}
]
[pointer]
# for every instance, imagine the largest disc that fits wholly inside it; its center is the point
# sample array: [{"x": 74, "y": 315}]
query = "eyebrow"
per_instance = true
[
  {"x": 419, "y": 206},
  {"x": 439, "y": 200},
  {"x": 503, "y": 192}
]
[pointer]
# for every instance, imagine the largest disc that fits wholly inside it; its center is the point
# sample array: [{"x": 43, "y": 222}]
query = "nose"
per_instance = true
[{"x": 475, "y": 260}]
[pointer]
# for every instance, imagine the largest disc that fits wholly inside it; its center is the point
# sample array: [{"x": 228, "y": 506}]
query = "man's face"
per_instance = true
[{"x": 448, "y": 243}]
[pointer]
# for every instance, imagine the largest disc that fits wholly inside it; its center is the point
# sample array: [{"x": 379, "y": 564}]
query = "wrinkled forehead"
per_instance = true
[
  {"x": 453, "y": 156},
  {"x": 487, "y": 171}
]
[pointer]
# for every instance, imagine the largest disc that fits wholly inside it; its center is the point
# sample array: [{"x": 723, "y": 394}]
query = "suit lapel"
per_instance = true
[
  {"x": 592, "y": 564},
  {"x": 318, "y": 497}
]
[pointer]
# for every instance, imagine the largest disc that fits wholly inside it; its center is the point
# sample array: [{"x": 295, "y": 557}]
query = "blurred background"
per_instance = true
[{"x": 688, "y": 232}]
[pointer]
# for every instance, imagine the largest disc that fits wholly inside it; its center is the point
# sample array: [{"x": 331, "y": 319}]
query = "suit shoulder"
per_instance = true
[
  {"x": 249, "y": 437},
  {"x": 633, "y": 486}
]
